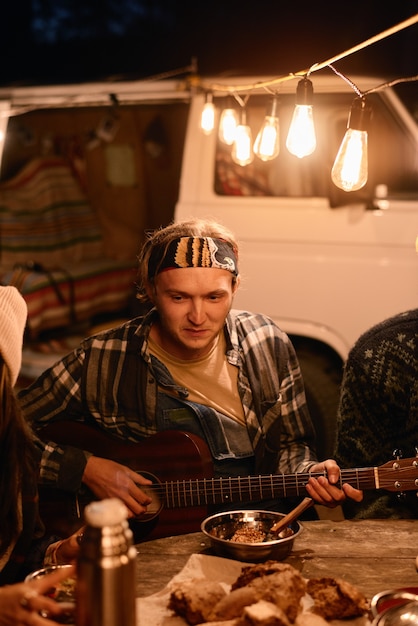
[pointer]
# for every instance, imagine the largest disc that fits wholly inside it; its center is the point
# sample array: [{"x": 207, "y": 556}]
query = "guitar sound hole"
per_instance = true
[{"x": 153, "y": 509}]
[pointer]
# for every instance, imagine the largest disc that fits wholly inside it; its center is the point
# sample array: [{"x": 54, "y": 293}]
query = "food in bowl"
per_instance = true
[
  {"x": 63, "y": 592},
  {"x": 245, "y": 535},
  {"x": 249, "y": 535}
]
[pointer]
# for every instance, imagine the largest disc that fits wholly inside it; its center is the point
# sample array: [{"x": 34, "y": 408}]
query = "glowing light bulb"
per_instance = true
[
  {"x": 228, "y": 123},
  {"x": 301, "y": 138},
  {"x": 267, "y": 143},
  {"x": 242, "y": 152},
  {"x": 350, "y": 169},
  {"x": 207, "y": 120}
]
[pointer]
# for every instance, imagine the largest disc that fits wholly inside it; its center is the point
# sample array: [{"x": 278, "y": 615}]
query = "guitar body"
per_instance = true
[{"x": 169, "y": 455}]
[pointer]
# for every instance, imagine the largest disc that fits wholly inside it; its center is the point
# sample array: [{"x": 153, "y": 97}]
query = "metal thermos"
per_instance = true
[{"x": 106, "y": 567}]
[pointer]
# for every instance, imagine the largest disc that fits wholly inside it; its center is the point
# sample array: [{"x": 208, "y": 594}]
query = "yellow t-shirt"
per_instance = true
[{"x": 210, "y": 380}]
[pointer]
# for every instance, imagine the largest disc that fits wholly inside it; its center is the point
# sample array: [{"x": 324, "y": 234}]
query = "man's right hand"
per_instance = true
[{"x": 108, "y": 479}]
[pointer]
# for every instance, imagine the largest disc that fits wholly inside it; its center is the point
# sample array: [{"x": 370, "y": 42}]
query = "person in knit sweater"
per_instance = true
[{"x": 378, "y": 411}]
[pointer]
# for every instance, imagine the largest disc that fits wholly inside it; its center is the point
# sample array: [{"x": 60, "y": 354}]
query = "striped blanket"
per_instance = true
[
  {"x": 45, "y": 217},
  {"x": 60, "y": 298},
  {"x": 51, "y": 249}
]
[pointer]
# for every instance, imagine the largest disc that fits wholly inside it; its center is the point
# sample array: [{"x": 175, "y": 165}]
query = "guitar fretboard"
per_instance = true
[{"x": 202, "y": 492}]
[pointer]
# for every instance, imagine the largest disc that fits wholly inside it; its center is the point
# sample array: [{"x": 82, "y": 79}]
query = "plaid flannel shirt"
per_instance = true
[{"x": 109, "y": 381}]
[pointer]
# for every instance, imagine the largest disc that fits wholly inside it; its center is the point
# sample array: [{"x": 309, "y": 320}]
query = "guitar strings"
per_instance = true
[{"x": 197, "y": 492}]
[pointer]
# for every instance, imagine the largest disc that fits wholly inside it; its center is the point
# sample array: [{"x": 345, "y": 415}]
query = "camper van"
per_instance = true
[{"x": 323, "y": 263}]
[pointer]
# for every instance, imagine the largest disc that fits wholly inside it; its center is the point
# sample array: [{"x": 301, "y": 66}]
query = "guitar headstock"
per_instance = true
[{"x": 398, "y": 475}]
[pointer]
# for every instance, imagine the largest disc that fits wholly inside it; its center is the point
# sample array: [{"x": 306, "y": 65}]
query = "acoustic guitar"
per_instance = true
[{"x": 180, "y": 466}]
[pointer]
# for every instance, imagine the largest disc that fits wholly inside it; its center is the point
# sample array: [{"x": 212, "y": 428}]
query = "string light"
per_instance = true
[
  {"x": 350, "y": 169},
  {"x": 242, "y": 152},
  {"x": 229, "y": 117},
  {"x": 228, "y": 123},
  {"x": 267, "y": 143},
  {"x": 4, "y": 119},
  {"x": 207, "y": 120},
  {"x": 301, "y": 138}
]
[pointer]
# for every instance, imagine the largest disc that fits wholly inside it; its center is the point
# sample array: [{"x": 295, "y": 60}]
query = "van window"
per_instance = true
[{"x": 393, "y": 155}]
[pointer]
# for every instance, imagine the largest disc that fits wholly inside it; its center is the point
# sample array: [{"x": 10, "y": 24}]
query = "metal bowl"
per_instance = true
[
  {"x": 393, "y": 607},
  {"x": 220, "y": 528},
  {"x": 67, "y": 591},
  {"x": 63, "y": 593}
]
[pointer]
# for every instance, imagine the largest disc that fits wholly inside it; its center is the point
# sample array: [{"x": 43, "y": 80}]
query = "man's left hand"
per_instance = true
[{"x": 326, "y": 489}]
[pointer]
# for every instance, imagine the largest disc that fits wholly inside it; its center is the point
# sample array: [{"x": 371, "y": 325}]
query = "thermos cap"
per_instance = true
[{"x": 105, "y": 513}]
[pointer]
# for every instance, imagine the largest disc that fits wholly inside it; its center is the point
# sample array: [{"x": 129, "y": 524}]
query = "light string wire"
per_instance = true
[{"x": 221, "y": 87}]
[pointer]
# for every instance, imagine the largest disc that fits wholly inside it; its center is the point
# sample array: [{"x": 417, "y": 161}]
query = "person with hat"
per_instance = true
[
  {"x": 191, "y": 363},
  {"x": 23, "y": 544}
]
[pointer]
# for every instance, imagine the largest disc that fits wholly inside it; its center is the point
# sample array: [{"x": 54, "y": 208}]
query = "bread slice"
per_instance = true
[
  {"x": 194, "y": 599},
  {"x": 335, "y": 598}
]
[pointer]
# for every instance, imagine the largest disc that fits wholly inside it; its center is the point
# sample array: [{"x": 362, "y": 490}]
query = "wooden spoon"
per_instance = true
[{"x": 290, "y": 517}]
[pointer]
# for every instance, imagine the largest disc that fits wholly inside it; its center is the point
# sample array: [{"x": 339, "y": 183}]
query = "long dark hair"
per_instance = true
[{"x": 17, "y": 459}]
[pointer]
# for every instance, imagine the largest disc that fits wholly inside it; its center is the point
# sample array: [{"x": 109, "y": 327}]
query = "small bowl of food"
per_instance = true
[
  {"x": 246, "y": 535},
  {"x": 63, "y": 592}
]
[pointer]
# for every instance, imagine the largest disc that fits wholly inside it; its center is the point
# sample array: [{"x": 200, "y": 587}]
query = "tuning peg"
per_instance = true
[{"x": 397, "y": 453}]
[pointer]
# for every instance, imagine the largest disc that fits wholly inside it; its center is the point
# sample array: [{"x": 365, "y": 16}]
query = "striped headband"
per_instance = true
[{"x": 193, "y": 252}]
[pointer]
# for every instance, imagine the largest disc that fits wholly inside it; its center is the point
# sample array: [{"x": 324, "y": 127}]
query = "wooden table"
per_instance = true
[{"x": 374, "y": 555}]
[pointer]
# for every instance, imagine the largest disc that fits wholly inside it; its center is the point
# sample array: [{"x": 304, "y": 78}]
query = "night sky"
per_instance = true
[{"x": 77, "y": 40}]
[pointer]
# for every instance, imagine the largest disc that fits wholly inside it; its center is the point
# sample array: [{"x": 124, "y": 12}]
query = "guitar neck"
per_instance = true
[{"x": 207, "y": 491}]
